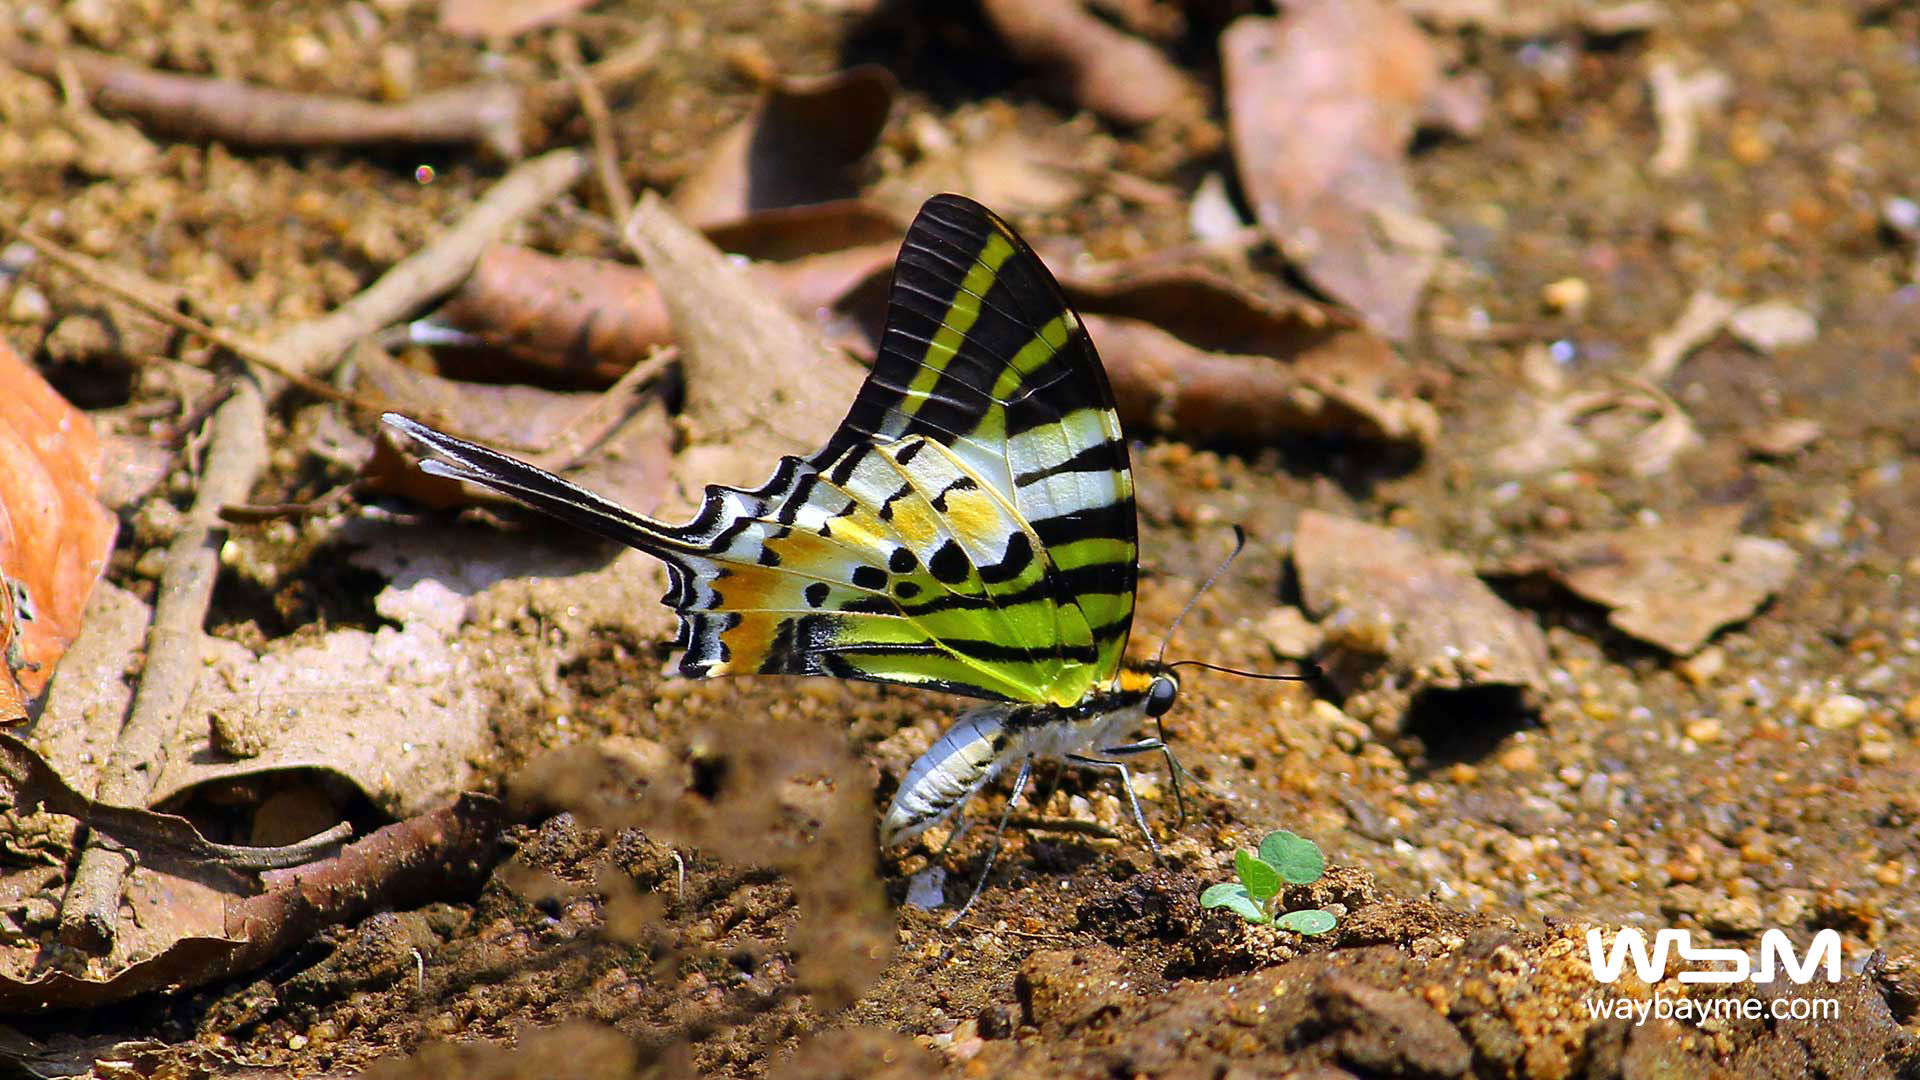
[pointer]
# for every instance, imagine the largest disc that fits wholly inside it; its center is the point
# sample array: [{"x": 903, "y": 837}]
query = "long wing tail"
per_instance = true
[{"x": 458, "y": 459}]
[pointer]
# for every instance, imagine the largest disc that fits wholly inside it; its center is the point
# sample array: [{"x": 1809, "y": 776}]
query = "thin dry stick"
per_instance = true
[
  {"x": 599, "y": 418},
  {"x": 236, "y": 454},
  {"x": 246, "y": 114},
  {"x": 87, "y": 270},
  {"x": 622, "y": 65},
  {"x": 238, "y": 447},
  {"x": 593, "y": 106}
]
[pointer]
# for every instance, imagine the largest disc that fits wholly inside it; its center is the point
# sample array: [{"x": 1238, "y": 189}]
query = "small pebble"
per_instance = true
[
  {"x": 1700, "y": 668},
  {"x": 1838, "y": 712},
  {"x": 1569, "y": 296},
  {"x": 1704, "y": 731},
  {"x": 1520, "y": 759},
  {"x": 1901, "y": 214},
  {"x": 1772, "y": 325}
]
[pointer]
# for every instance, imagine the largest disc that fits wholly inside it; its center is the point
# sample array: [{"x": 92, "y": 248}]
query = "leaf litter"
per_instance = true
[{"x": 1141, "y": 971}]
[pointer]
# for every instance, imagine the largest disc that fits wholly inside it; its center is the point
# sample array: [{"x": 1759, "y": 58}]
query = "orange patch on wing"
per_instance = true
[
  {"x": 914, "y": 520},
  {"x": 747, "y": 643},
  {"x": 747, "y": 588},
  {"x": 808, "y": 551}
]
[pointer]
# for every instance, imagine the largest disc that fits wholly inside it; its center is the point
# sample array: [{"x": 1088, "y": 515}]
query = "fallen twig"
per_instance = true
[
  {"x": 398, "y": 866},
  {"x": 593, "y": 106},
  {"x": 244, "y": 114},
  {"x": 237, "y": 449},
  {"x": 146, "y": 832}
]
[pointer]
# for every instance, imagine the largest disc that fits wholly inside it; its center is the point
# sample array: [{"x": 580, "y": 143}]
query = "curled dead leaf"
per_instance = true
[
  {"x": 1322, "y": 104},
  {"x": 1670, "y": 584},
  {"x": 1107, "y": 70},
  {"x": 801, "y": 144},
  {"x": 1432, "y": 624},
  {"x": 1635, "y": 425}
]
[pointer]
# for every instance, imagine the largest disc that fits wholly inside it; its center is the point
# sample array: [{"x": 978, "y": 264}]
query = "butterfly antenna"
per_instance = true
[
  {"x": 1175, "y": 770},
  {"x": 1239, "y": 545}
]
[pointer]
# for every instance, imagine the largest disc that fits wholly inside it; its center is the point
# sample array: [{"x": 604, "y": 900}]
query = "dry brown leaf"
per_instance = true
[
  {"x": 1670, "y": 585},
  {"x": 760, "y": 383},
  {"x": 1322, "y": 103},
  {"x": 618, "y": 439},
  {"x": 1193, "y": 351},
  {"x": 583, "y": 319},
  {"x": 54, "y": 534},
  {"x": 579, "y": 318},
  {"x": 187, "y": 932},
  {"x": 1435, "y": 624},
  {"x": 1161, "y": 382},
  {"x": 1115, "y": 74},
  {"x": 801, "y": 144}
]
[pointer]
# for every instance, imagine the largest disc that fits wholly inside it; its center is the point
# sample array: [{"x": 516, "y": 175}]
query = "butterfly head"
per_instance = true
[{"x": 1160, "y": 694}]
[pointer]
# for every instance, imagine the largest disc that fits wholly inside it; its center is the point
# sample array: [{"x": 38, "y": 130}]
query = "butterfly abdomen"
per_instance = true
[{"x": 971, "y": 753}]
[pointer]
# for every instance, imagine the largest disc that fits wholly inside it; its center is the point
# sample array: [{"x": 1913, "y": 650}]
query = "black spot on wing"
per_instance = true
[
  {"x": 950, "y": 565},
  {"x": 902, "y": 561},
  {"x": 869, "y": 577}
]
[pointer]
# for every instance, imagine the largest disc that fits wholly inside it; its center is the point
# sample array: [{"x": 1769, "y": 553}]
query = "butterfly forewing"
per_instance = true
[
  {"x": 983, "y": 355},
  {"x": 969, "y": 527}
]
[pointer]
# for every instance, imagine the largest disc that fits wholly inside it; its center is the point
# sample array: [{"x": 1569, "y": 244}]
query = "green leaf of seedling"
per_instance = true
[
  {"x": 1261, "y": 880},
  {"x": 1297, "y": 859},
  {"x": 1222, "y": 894},
  {"x": 1233, "y": 896},
  {"x": 1307, "y": 921}
]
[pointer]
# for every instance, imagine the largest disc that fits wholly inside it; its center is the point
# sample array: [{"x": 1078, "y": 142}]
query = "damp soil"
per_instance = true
[{"x": 1471, "y": 846}]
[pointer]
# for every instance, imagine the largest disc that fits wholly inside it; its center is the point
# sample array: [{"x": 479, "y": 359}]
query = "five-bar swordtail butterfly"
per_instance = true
[{"x": 969, "y": 528}]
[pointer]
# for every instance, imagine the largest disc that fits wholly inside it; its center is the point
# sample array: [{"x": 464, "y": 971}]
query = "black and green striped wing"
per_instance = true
[
  {"x": 968, "y": 528},
  {"x": 983, "y": 357}
]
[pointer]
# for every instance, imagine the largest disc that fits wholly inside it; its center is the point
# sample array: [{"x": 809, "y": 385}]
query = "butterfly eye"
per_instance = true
[{"x": 1160, "y": 695}]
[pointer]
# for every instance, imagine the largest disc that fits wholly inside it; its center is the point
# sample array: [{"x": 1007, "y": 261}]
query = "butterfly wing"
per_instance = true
[
  {"x": 983, "y": 357},
  {"x": 969, "y": 527}
]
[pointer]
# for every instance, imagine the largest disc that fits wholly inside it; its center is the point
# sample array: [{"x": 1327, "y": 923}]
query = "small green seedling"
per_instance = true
[{"x": 1284, "y": 859}]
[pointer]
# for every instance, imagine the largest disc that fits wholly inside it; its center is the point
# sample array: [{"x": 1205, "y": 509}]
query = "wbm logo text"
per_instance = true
[{"x": 1776, "y": 954}]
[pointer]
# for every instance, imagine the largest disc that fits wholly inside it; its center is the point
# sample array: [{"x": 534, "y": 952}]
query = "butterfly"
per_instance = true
[{"x": 969, "y": 528}]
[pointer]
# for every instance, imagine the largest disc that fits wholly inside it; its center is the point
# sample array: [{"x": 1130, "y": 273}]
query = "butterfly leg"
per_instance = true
[
  {"x": 1052, "y": 788},
  {"x": 961, "y": 824},
  {"x": 1175, "y": 770},
  {"x": 1126, "y": 785},
  {"x": 999, "y": 835}
]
